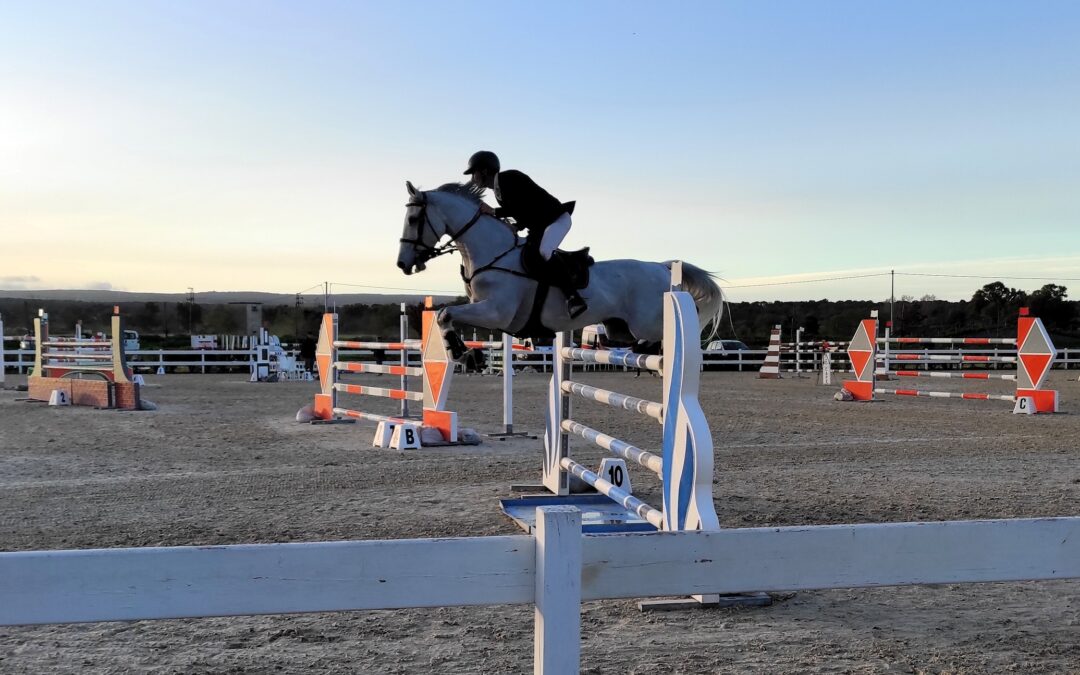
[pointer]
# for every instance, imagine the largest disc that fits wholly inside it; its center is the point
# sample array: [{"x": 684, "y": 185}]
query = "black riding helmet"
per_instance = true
[{"x": 483, "y": 160}]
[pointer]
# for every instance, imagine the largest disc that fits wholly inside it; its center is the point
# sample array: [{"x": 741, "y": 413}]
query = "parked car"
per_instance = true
[{"x": 725, "y": 346}]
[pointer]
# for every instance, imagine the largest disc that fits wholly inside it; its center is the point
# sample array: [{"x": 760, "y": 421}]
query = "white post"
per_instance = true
[
  {"x": 798, "y": 351},
  {"x": 557, "y": 617},
  {"x": 887, "y": 363},
  {"x": 508, "y": 383},
  {"x": 557, "y": 441},
  {"x": 403, "y": 330}
]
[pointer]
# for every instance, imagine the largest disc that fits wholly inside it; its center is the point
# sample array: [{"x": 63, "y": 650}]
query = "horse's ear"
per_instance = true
[{"x": 413, "y": 192}]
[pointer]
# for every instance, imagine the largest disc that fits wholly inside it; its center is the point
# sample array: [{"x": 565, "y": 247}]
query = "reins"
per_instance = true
[{"x": 427, "y": 252}]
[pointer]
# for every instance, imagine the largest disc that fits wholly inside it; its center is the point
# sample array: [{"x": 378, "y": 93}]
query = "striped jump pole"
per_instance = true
[{"x": 1035, "y": 354}]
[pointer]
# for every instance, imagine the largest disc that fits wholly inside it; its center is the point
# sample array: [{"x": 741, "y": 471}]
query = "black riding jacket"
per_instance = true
[{"x": 530, "y": 205}]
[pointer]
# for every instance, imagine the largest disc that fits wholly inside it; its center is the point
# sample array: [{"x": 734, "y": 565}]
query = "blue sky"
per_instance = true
[{"x": 264, "y": 146}]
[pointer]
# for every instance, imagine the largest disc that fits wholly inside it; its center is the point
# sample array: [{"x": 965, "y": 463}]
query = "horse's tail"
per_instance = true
[{"x": 707, "y": 295}]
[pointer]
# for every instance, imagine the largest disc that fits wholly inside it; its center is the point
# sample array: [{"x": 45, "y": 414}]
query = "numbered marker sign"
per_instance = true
[
  {"x": 1025, "y": 405},
  {"x": 614, "y": 471},
  {"x": 405, "y": 437},
  {"x": 384, "y": 433},
  {"x": 58, "y": 397}
]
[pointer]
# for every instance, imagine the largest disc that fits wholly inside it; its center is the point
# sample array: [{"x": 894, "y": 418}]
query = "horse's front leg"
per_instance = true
[{"x": 490, "y": 314}]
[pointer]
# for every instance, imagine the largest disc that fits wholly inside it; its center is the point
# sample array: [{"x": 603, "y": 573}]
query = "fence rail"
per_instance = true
[{"x": 21, "y": 361}]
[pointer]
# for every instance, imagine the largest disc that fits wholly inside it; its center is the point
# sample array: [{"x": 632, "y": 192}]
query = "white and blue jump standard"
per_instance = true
[{"x": 685, "y": 464}]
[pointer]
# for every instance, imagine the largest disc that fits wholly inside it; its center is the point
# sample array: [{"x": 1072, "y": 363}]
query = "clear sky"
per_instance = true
[{"x": 156, "y": 145}]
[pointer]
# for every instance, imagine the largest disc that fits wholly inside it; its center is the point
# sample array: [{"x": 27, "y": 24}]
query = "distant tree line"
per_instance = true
[{"x": 991, "y": 312}]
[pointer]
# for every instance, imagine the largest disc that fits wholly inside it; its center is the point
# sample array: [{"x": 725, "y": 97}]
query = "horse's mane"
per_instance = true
[{"x": 470, "y": 191}]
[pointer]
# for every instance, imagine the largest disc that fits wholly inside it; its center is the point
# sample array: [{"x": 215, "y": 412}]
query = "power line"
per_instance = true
[
  {"x": 811, "y": 281},
  {"x": 393, "y": 288},
  {"x": 984, "y": 276}
]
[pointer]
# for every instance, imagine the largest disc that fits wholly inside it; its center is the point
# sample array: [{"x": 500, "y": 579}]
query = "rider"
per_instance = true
[{"x": 531, "y": 206}]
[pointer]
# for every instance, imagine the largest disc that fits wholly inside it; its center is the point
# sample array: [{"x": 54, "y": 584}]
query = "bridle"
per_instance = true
[{"x": 424, "y": 251}]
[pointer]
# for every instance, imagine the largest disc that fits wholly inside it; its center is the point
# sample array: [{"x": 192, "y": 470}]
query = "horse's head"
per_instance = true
[
  {"x": 421, "y": 234},
  {"x": 451, "y": 210}
]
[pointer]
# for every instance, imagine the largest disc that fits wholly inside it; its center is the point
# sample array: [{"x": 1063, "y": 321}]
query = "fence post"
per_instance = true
[{"x": 557, "y": 617}]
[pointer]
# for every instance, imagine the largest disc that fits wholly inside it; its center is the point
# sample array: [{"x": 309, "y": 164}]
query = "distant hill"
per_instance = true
[{"x": 216, "y": 297}]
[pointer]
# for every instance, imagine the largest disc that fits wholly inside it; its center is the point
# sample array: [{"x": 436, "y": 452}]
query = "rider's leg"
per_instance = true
[{"x": 554, "y": 235}]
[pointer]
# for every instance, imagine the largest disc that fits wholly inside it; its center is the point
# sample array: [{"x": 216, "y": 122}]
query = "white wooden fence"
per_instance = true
[
  {"x": 196, "y": 360},
  {"x": 555, "y": 570}
]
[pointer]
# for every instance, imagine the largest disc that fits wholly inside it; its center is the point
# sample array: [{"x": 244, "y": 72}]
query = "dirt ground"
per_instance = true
[{"x": 223, "y": 462}]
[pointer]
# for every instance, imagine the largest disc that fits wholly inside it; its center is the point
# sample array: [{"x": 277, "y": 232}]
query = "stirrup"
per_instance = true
[{"x": 576, "y": 306}]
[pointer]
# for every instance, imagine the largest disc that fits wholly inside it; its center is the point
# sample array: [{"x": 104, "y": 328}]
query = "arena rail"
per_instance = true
[{"x": 556, "y": 569}]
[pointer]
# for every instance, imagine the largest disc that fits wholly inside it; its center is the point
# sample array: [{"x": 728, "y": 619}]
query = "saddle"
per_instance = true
[{"x": 566, "y": 269}]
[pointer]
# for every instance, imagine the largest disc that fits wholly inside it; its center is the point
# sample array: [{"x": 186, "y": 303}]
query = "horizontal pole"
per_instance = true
[
  {"x": 949, "y": 341},
  {"x": 373, "y": 417},
  {"x": 610, "y": 358},
  {"x": 959, "y": 358},
  {"x": 71, "y": 355},
  {"x": 947, "y": 394},
  {"x": 653, "y": 462},
  {"x": 80, "y": 343},
  {"x": 962, "y": 376},
  {"x": 616, "y": 494},
  {"x": 358, "y": 367},
  {"x": 481, "y": 344},
  {"x": 411, "y": 345},
  {"x": 396, "y": 394},
  {"x": 75, "y": 367},
  {"x": 615, "y": 399}
]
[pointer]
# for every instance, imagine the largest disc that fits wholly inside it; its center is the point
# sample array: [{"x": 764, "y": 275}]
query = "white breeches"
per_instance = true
[{"x": 554, "y": 235}]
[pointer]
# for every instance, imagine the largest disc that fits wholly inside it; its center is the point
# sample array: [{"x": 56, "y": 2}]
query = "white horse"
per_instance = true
[{"x": 624, "y": 295}]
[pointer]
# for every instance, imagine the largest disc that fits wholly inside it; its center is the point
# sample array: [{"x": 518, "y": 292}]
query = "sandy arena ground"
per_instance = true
[{"x": 222, "y": 462}]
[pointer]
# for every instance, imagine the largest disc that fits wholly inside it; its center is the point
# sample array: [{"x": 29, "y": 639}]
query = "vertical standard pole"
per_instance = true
[
  {"x": 892, "y": 296},
  {"x": 557, "y": 617},
  {"x": 41, "y": 334},
  {"x": 557, "y": 441},
  {"x": 798, "y": 351},
  {"x": 508, "y": 383},
  {"x": 887, "y": 363},
  {"x": 403, "y": 331}
]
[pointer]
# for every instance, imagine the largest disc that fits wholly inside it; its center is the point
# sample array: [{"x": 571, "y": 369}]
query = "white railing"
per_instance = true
[
  {"x": 198, "y": 360},
  {"x": 555, "y": 570}
]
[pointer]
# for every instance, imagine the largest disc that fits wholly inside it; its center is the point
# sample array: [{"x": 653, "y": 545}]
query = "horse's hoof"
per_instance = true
[{"x": 456, "y": 346}]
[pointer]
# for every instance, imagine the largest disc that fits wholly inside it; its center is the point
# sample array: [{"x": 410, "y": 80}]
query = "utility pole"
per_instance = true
[
  {"x": 190, "y": 307},
  {"x": 296, "y": 316},
  {"x": 892, "y": 297}
]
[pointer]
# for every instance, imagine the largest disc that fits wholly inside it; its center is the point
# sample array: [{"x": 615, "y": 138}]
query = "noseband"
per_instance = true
[{"x": 425, "y": 251}]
